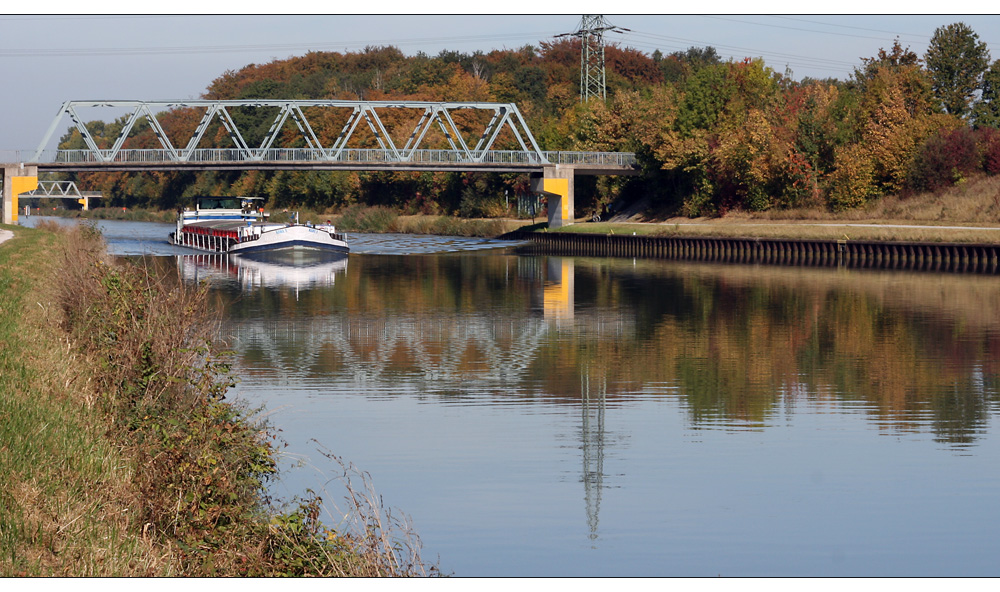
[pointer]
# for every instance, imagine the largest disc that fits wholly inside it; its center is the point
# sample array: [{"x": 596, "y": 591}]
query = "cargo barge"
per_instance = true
[{"x": 238, "y": 225}]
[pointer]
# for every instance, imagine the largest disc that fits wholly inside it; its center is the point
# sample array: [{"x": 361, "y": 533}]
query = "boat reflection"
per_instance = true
[{"x": 293, "y": 269}]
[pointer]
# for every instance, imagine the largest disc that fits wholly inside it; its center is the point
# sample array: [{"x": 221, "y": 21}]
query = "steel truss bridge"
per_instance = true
[
  {"x": 60, "y": 190},
  {"x": 465, "y": 135}
]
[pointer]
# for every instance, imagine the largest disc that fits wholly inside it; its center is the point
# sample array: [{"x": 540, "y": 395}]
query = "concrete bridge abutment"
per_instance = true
[
  {"x": 556, "y": 184},
  {"x": 17, "y": 179}
]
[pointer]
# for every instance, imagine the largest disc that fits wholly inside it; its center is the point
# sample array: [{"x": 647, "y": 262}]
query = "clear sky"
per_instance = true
[{"x": 51, "y": 58}]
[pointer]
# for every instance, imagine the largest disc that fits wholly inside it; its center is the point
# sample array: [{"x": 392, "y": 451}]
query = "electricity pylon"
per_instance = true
[{"x": 593, "y": 81}]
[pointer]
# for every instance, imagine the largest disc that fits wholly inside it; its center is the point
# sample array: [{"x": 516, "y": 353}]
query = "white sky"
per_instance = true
[{"x": 45, "y": 60}]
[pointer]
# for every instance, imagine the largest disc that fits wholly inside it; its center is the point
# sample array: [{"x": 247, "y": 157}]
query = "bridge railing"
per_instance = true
[
  {"x": 347, "y": 155},
  {"x": 621, "y": 159}
]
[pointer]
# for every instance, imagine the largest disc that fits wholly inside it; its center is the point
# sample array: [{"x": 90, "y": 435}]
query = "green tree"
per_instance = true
[
  {"x": 956, "y": 60},
  {"x": 530, "y": 82},
  {"x": 986, "y": 111},
  {"x": 705, "y": 94},
  {"x": 898, "y": 57},
  {"x": 677, "y": 66}
]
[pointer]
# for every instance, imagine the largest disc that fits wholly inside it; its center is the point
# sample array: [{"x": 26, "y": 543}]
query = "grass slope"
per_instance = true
[
  {"x": 120, "y": 456},
  {"x": 64, "y": 507}
]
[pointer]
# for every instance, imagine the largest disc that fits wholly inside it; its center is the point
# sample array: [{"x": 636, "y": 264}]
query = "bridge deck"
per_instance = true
[
  {"x": 220, "y": 159},
  {"x": 287, "y": 165}
]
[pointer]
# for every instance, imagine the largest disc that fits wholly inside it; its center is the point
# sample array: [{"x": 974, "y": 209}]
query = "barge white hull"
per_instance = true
[
  {"x": 265, "y": 237},
  {"x": 243, "y": 231},
  {"x": 292, "y": 237}
]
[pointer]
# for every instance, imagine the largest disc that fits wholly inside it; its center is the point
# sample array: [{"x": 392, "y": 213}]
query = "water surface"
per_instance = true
[{"x": 557, "y": 416}]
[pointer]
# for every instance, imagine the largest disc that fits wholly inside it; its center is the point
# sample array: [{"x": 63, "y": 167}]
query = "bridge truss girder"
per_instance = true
[
  {"x": 504, "y": 116},
  {"x": 66, "y": 189}
]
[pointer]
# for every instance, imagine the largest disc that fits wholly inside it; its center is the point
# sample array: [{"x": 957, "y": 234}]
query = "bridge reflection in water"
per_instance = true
[
  {"x": 479, "y": 350},
  {"x": 454, "y": 355}
]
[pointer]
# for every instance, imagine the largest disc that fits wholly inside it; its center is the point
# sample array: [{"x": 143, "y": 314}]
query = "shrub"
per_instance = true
[
  {"x": 795, "y": 182},
  {"x": 699, "y": 201},
  {"x": 852, "y": 183},
  {"x": 944, "y": 158},
  {"x": 477, "y": 205},
  {"x": 421, "y": 203},
  {"x": 988, "y": 139}
]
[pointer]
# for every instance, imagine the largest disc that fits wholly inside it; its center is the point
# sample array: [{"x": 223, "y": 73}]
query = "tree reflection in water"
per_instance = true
[{"x": 915, "y": 352}]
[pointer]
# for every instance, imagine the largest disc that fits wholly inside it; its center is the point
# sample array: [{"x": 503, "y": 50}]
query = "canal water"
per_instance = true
[{"x": 570, "y": 416}]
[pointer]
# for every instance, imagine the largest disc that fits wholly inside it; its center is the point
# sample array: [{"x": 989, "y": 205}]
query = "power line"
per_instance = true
[
  {"x": 792, "y": 59},
  {"x": 897, "y": 34},
  {"x": 893, "y": 33},
  {"x": 180, "y": 50},
  {"x": 732, "y": 20},
  {"x": 789, "y": 18},
  {"x": 744, "y": 50}
]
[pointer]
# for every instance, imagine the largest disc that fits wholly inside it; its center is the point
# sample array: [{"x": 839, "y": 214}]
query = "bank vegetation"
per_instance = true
[{"x": 121, "y": 455}]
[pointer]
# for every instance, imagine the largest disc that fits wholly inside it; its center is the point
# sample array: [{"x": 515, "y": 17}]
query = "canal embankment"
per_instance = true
[
  {"x": 120, "y": 453},
  {"x": 909, "y": 255}
]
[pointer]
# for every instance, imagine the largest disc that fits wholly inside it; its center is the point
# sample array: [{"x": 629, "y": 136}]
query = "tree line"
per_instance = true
[{"x": 711, "y": 135}]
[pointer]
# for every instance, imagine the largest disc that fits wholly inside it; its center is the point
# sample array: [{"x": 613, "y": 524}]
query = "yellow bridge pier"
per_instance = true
[
  {"x": 17, "y": 179},
  {"x": 556, "y": 183}
]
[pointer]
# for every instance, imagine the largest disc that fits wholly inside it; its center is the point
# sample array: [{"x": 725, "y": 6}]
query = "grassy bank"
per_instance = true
[
  {"x": 66, "y": 494},
  {"x": 121, "y": 456}
]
